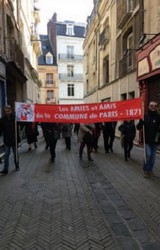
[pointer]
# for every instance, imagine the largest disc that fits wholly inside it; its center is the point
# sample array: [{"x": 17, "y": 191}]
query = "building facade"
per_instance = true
[
  {"x": 31, "y": 46},
  {"x": 120, "y": 39},
  {"x": 113, "y": 35},
  {"x": 68, "y": 45},
  {"x": 48, "y": 73},
  {"x": 18, "y": 55},
  {"x": 12, "y": 57},
  {"x": 148, "y": 56}
]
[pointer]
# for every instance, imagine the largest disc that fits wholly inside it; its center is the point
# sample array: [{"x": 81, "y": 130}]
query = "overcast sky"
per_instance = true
[{"x": 73, "y": 10}]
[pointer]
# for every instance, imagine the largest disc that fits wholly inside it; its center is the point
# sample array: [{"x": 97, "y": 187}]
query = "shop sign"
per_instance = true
[
  {"x": 155, "y": 58},
  {"x": 143, "y": 67}
]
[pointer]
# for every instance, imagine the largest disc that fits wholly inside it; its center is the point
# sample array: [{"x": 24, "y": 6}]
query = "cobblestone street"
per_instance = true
[{"x": 80, "y": 205}]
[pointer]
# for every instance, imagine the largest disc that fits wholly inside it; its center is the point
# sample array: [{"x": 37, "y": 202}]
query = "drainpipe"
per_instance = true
[
  {"x": 98, "y": 57},
  {"x": 4, "y": 88}
]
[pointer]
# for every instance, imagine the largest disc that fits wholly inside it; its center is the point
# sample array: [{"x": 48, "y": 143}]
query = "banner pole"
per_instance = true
[
  {"x": 144, "y": 141},
  {"x": 16, "y": 143}
]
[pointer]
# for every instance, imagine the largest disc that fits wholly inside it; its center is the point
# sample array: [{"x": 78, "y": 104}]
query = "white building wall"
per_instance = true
[{"x": 77, "y": 43}]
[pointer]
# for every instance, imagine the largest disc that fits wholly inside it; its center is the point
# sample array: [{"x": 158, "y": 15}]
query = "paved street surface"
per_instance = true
[{"x": 79, "y": 205}]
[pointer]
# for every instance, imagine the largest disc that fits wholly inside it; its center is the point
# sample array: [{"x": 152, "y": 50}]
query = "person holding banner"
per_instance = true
[
  {"x": 11, "y": 138},
  {"x": 151, "y": 130}
]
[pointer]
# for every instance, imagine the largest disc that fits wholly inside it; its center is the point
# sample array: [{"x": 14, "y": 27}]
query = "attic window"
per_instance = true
[
  {"x": 49, "y": 58},
  {"x": 70, "y": 30}
]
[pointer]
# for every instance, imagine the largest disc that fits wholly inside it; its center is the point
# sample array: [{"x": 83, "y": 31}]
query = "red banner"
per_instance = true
[{"x": 81, "y": 113}]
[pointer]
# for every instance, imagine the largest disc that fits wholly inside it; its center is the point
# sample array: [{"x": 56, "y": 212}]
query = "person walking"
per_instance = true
[
  {"x": 151, "y": 128},
  {"x": 43, "y": 126},
  {"x": 128, "y": 130},
  {"x": 76, "y": 128},
  {"x": 7, "y": 128},
  {"x": 108, "y": 129},
  {"x": 31, "y": 130},
  {"x": 66, "y": 134},
  {"x": 85, "y": 137},
  {"x": 53, "y": 134},
  {"x": 97, "y": 133}
]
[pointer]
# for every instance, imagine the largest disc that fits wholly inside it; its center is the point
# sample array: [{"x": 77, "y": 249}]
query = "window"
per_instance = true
[
  {"x": 87, "y": 86},
  {"x": 129, "y": 5},
  {"x": 50, "y": 94},
  {"x": 49, "y": 78},
  {"x": 106, "y": 70},
  {"x": 70, "y": 52},
  {"x": 49, "y": 58},
  {"x": 70, "y": 89},
  {"x": 130, "y": 51},
  {"x": 70, "y": 30},
  {"x": 131, "y": 95},
  {"x": 123, "y": 96},
  {"x": 44, "y": 47},
  {"x": 70, "y": 70}
]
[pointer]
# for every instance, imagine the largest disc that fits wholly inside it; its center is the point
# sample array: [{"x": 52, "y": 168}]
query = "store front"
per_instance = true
[
  {"x": 148, "y": 71},
  {"x": 3, "y": 98}
]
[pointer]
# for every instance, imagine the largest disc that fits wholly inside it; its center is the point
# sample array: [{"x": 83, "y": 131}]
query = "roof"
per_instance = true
[
  {"x": 46, "y": 47},
  {"x": 79, "y": 30}
]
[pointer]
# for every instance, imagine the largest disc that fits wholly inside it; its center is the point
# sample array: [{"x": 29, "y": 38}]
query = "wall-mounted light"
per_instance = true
[
  {"x": 143, "y": 37},
  {"x": 127, "y": 51}
]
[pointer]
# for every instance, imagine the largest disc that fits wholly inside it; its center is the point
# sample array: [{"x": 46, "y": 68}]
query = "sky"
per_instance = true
[{"x": 72, "y": 10}]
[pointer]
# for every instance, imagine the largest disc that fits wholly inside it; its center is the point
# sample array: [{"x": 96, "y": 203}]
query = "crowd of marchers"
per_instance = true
[{"x": 87, "y": 136}]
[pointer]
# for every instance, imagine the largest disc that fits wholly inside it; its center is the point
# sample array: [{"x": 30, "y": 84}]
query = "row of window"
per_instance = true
[
  {"x": 50, "y": 76},
  {"x": 49, "y": 56},
  {"x": 70, "y": 91}
]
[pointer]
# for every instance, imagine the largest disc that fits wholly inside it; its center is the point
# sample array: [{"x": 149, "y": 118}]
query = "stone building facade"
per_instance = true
[
  {"x": 117, "y": 34},
  {"x": 18, "y": 55}
]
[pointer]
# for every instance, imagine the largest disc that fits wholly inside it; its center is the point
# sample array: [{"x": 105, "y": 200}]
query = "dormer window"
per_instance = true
[
  {"x": 70, "y": 30},
  {"x": 49, "y": 58}
]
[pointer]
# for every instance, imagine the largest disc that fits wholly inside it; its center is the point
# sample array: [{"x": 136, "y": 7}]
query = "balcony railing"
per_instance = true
[
  {"x": 49, "y": 83},
  {"x": 65, "y": 57},
  {"x": 124, "y": 13},
  {"x": 14, "y": 53},
  {"x": 50, "y": 100},
  {"x": 75, "y": 77},
  {"x": 104, "y": 36}
]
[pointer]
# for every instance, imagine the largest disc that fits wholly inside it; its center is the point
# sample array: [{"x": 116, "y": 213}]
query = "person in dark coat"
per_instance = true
[
  {"x": 108, "y": 129},
  {"x": 53, "y": 134},
  {"x": 97, "y": 133},
  {"x": 67, "y": 133},
  {"x": 86, "y": 137},
  {"x": 31, "y": 130},
  {"x": 43, "y": 126},
  {"x": 151, "y": 128},
  {"x": 7, "y": 128},
  {"x": 128, "y": 131},
  {"x": 76, "y": 128}
]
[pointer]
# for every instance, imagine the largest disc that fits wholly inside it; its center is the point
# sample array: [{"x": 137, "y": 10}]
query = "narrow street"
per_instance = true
[{"x": 80, "y": 205}]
